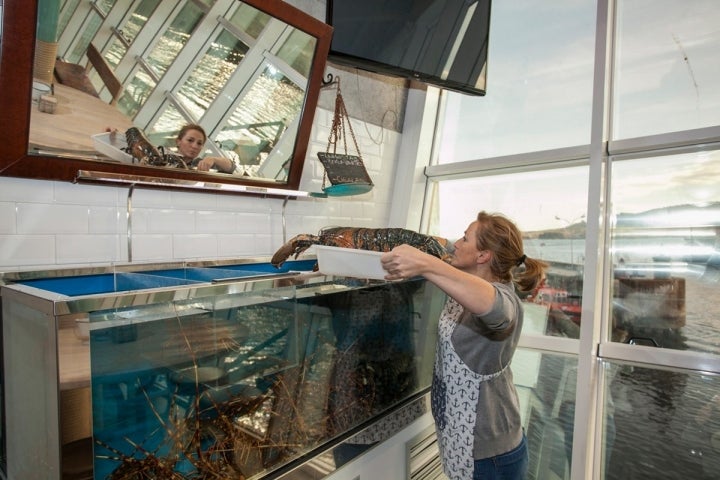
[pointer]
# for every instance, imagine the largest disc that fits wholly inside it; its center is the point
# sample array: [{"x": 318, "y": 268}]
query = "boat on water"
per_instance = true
[
  {"x": 656, "y": 302},
  {"x": 558, "y": 299}
]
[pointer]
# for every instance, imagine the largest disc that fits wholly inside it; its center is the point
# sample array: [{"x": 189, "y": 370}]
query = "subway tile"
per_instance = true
[
  {"x": 8, "y": 223},
  {"x": 242, "y": 245},
  {"x": 152, "y": 247},
  {"x": 195, "y": 246},
  {"x": 27, "y": 250},
  {"x": 72, "y": 193},
  {"x": 22, "y": 190},
  {"x": 36, "y": 218},
  {"x": 274, "y": 243},
  {"x": 107, "y": 220},
  {"x": 170, "y": 221},
  {"x": 264, "y": 247},
  {"x": 255, "y": 223},
  {"x": 307, "y": 206},
  {"x": 244, "y": 203},
  {"x": 193, "y": 200},
  {"x": 87, "y": 248},
  {"x": 379, "y": 218},
  {"x": 216, "y": 222},
  {"x": 151, "y": 198},
  {"x": 138, "y": 222}
]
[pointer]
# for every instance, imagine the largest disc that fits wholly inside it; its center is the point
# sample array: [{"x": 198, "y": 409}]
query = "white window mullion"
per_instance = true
[
  {"x": 72, "y": 32},
  {"x": 180, "y": 68},
  {"x": 589, "y": 407},
  {"x": 146, "y": 38}
]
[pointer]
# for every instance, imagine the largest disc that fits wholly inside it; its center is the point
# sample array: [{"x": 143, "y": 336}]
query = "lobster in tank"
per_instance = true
[
  {"x": 376, "y": 239},
  {"x": 142, "y": 150}
]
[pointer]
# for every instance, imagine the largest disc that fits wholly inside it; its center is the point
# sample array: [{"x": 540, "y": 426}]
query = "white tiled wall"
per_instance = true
[{"x": 46, "y": 224}]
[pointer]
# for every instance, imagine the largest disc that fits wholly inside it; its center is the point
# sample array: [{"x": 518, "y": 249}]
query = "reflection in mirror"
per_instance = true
[{"x": 238, "y": 69}]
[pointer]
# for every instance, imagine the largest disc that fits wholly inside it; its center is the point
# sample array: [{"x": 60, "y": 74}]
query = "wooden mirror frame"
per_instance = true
[{"x": 17, "y": 46}]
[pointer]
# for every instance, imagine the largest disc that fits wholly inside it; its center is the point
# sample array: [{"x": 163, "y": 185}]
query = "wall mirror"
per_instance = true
[{"x": 249, "y": 72}]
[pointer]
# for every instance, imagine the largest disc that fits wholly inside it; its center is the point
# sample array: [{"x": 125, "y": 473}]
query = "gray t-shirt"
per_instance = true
[{"x": 474, "y": 399}]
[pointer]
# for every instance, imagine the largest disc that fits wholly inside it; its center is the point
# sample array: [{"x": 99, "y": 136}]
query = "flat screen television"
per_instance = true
[{"x": 439, "y": 42}]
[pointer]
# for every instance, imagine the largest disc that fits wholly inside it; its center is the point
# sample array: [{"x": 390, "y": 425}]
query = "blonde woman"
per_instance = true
[{"x": 474, "y": 400}]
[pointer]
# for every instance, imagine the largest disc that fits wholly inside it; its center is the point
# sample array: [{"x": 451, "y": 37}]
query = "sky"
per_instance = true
[
  {"x": 539, "y": 98},
  {"x": 551, "y": 199}
]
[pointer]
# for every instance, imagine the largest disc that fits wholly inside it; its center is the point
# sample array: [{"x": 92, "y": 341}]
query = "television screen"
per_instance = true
[{"x": 440, "y": 42}]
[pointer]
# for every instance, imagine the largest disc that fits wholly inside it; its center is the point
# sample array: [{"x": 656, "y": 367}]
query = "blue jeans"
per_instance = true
[{"x": 512, "y": 465}]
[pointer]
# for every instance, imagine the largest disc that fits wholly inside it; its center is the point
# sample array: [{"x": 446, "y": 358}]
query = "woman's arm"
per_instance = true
[
  {"x": 472, "y": 292},
  {"x": 222, "y": 164}
]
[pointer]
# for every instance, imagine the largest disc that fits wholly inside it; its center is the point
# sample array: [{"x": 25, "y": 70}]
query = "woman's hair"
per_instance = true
[
  {"x": 191, "y": 126},
  {"x": 501, "y": 236}
]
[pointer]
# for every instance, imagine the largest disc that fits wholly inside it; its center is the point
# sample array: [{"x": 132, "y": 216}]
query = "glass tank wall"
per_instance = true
[{"x": 207, "y": 371}]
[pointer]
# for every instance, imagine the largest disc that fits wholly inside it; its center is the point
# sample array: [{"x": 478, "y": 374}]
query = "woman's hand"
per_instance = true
[
  {"x": 206, "y": 164},
  {"x": 221, "y": 164},
  {"x": 471, "y": 291},
  {"x": 403, "y": 262}
]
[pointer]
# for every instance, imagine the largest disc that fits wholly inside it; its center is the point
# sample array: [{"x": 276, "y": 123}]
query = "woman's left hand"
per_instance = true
[{"x": 403, "y": 262}]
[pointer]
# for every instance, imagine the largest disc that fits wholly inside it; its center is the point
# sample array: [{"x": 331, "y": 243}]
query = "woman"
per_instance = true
[
  {"x": 190, "y": 142},
  {"x": 479, "y": 428}
]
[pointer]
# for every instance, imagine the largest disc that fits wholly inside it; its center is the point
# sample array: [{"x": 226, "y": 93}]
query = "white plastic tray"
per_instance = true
[
  {"x": 111, "y": 145},
  {"x": 349, "y": 262}
]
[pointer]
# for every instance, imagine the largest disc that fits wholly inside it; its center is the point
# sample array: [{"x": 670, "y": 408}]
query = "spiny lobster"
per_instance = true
[
  {"x": 141, "y": 149},
  {"x": 376, "y": 239}
]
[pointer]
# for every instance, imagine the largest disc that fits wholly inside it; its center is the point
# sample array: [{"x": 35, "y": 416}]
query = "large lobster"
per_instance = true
[
  {"x": 142, "y": 150},
  {"x": 377, "y": 239}
]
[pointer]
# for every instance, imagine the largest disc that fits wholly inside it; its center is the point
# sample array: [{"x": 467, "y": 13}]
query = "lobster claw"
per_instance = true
[
  {"x": 173, "y": 160},
  {"x": 295, "y": 246},
  {"x": 141, "y": 148}
]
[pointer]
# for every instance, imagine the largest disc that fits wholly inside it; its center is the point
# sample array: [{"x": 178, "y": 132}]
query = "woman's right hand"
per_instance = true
[{"x": 206, "y": 164}]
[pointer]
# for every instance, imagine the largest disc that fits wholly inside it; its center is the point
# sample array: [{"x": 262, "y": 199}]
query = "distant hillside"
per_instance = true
[
  {"x": 675, "y": 216},
  {"x": 576, "y": 230}
]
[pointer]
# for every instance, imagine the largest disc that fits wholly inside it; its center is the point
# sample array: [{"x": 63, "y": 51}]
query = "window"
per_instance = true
[
  {"x": 552, "y": 220},
  {"x": 666, "y": 262},
  {"x": 539, "y": 94},
  {"x": 630, "y": 230},
  {"x": 174, "y": 38},
  {"x": 680, "y": 428},
  {"x": 666, "y": 67},
  {"x": 129, "y": 31},
  {"x": 546, "y": 387}
]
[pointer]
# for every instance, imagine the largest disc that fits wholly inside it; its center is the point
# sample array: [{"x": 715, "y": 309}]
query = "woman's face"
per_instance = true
[
  {"x": 466, "y": 253},
  {"x": 191, "y": 144}
]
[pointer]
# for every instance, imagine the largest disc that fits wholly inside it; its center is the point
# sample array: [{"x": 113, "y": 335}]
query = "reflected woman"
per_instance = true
[{"x": 190, "y": 143}]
